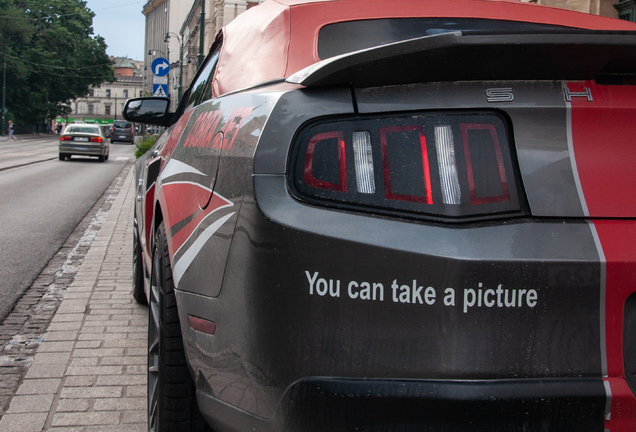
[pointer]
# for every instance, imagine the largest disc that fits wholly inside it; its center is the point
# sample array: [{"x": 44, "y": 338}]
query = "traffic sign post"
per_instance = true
[
  {"x": 160, "y": 90},
  {"x": 160, "y": 68}
]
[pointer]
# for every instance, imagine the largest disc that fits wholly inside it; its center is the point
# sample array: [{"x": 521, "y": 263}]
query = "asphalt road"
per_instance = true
[{"x": 42, "y": 200}]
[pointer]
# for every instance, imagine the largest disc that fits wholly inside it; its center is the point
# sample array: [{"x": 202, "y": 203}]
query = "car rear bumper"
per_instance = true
[
  {"x": 83, "y": 150},
  {"x": 340, "y": 404},
  {"x": 115, "y": 136}
]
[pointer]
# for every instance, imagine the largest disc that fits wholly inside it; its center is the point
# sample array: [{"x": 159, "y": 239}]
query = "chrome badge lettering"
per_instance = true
[
  {"x": 570, "y": 94},
  {"x": 499, "y": 95}
]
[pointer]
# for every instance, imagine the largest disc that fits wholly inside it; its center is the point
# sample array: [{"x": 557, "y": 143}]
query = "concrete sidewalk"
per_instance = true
[{"x": 89, "y": 373}]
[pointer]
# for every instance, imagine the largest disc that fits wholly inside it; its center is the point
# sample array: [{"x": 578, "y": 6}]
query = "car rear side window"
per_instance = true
[
  {"x": 83, "y": 129},
  {"x": 201, "y": 90},
  {"x": 344, "y": 37}
]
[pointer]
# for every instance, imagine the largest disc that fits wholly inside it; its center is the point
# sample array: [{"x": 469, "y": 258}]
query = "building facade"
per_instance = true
[
  {"x": 624, "y": 9},
  {"x": 104, "y": 104},
  {"x": 594, "y": 7}
]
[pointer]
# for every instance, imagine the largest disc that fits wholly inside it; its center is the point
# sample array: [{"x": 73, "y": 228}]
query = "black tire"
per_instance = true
[
  {"x": 106, "y": 157},
  {"x": 172, "y": 403},
  {"x": 138, "y": 271},
  {"x": 62, "y": 157},
  {"x": 100, "y": 158}
]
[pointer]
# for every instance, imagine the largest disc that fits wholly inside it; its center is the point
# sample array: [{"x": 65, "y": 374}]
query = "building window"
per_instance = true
[
  {"x": 107, "y": 108},
  {"x": 125, "y": 93},
  {"x": 91, "y": 93},
  {"x": 90, "y": 108},
  {"x": 626, "y": 10}
]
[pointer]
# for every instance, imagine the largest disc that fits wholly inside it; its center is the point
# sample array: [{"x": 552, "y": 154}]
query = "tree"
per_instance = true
[{"x": 52, "y": 56}]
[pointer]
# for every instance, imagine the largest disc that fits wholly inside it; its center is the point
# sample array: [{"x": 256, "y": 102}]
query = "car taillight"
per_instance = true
[
  {"x": 65, "y": 138},
  {"x": 445, "y": 166},
  {"x": 96, "y": 139}
]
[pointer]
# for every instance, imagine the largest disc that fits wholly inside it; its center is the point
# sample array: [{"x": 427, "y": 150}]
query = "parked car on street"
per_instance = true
[
  {"x": 122, "y": 131},
  {"x": 394, "y": 216},
  {"x": 84, "y": 140}
]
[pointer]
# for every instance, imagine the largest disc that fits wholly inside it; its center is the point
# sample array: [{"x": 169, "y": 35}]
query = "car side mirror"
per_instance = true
[{"x": 148, "y": 110}]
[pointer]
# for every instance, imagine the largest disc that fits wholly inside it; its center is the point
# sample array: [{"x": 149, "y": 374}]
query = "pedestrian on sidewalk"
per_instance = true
[{"x": 11, "y": 137}]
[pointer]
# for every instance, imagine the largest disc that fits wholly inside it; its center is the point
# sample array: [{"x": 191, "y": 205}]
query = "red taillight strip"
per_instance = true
[
  {"x": 428, "y": 197},
  {"x": 465, "y": 127},
  {"x": 309, "y": 176},
  {"x": 65, "y": 138},
  {"x": 202, "y": 325},
  {"x": 96, "y": 139}
]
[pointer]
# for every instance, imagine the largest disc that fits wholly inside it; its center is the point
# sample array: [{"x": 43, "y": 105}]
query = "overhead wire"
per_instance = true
[{"x": 56, "y": 67}]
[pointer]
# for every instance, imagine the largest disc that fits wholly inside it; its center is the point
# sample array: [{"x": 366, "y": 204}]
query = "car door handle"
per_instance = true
[{"x": 140, "y": 188}]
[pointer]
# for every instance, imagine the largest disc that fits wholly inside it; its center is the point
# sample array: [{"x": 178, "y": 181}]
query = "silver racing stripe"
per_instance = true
[
  {"x": 189, "y": 255},
  {"x": 602, "y": 336},
  {"x": 608, "y": 401},
  {"x": 575, "y": 171}
]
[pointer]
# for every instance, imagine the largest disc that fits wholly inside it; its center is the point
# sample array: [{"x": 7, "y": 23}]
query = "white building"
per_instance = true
[{"x": 104, "y": 104}]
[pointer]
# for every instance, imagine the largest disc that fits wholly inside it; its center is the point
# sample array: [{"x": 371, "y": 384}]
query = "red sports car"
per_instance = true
[{"x": 406, "y": 215}]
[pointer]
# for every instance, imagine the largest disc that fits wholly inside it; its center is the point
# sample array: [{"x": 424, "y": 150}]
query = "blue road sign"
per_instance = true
[
  {"x": 160, "y": 66},
  {"x": 160, "y": 90}
]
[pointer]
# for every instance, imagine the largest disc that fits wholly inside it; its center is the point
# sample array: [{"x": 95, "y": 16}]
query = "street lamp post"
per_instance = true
[
  {"x": 4, "y": 84},
  {"x": 165, "y": 39},
  {"x": 201, "y": 34}
]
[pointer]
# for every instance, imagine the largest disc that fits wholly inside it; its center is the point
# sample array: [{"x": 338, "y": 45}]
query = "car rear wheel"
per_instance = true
[
  {"x": 172, "y": 403},
  {"x": 62, "y": 156},
  {"x": 100, "y": 158}
]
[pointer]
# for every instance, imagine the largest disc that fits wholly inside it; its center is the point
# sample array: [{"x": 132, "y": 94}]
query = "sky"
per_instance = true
[{"x": 121, "y": 24}]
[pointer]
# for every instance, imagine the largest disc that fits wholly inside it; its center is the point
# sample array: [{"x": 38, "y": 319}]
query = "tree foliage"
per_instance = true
[{"x": 52, "y": 56}]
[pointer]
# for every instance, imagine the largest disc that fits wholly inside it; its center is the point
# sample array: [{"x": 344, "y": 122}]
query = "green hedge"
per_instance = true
[{"x": 144, "y": 145}]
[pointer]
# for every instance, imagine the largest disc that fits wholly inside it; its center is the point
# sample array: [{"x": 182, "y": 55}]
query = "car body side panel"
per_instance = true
[{"x": 199, "y": 219}]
